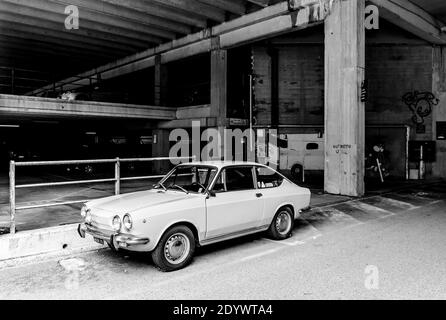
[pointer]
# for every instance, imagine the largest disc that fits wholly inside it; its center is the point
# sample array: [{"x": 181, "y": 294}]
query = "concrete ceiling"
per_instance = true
[
  {"x": 437, "y": 8},
  {"x": 34, "y": 40}
]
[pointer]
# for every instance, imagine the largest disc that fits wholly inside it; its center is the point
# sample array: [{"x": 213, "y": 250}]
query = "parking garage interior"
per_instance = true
[{"x": 155, "y": 66}]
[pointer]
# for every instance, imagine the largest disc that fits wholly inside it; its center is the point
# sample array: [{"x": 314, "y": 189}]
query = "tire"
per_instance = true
[
  {"x": 281, "y": 227},
  {"x": 297, "y": 172},
  {"x": 175, "y": 250}
]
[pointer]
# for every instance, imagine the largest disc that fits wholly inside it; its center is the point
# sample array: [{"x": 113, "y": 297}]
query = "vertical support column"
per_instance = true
[
  {"x": 160, "y": 82},
  {"x": 160, "y": 149},
  {"x": 219, "y": 75},
  {"x": 219, "y": 79},
  {"x": 12, "y": 204},
  {"x": 344, "y": 111},
  {"x": 117, "y": 177},
  {"x": 439, "y": 112}
]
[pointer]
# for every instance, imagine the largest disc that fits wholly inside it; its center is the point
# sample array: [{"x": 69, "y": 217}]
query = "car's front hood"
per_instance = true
[{"x": 134, "y": 201}]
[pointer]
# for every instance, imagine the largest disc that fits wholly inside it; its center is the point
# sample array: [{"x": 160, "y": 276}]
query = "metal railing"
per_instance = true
[{"x": 117, "y": 180}]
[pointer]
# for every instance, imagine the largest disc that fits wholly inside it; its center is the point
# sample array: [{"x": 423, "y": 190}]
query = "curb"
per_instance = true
[{"x": 63, "y": 240}]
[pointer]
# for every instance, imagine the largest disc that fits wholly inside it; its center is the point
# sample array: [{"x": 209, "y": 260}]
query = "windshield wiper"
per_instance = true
[
  {"x": 179, "y": 187},
  {"x": 159, "y": 184}
]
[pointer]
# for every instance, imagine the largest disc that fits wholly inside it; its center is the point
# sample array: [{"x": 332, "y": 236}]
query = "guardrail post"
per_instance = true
[
  {"x": 12, "y": 206},
  {"x": 117, "y": 177}
]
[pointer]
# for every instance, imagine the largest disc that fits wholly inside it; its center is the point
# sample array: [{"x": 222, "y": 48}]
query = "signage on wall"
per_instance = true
[{"x": 238, "y": 122}]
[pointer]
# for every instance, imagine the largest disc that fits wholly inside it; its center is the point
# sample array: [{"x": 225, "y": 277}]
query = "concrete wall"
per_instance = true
[
  {"x": 392, "y": 71},
  {"x": 301, "y": 84},
  {"x": 396, "y": 63},
  {"x": 439, "y": 114}
]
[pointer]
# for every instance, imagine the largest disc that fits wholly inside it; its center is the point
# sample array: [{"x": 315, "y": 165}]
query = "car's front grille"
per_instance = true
[{"x": 101, "y": 220}]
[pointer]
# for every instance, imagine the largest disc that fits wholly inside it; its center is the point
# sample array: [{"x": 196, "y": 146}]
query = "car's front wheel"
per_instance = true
[
  {"x": 282, "y": 225},
  {"x": 175, "y": 250}
]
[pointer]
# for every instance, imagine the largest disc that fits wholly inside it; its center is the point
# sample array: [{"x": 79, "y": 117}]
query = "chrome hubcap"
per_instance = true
[
  {"x": 177, "y": 248},
  {"x": 283, "y": 223}
]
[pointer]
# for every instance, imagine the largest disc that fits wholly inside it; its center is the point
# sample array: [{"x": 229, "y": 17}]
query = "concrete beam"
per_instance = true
[
  {"x": 54, "y": 29},
  {"x": 232, "y": 6},
  {"x": 110, "y": 13},
  {"x": 261, "y": 3},
  {"x": 59, "y": 37},
  {"x": 53, "y": 11},
  {"x": 412, "y": 18},
  {"x": 248, "y": 28},
  {"x": 344, "y": 111},
  {"x": 149, "y": 7},
  {"x": 27, "y": 39},
  {"x": 28, "y": 106},
  {"x": 30, "y": 46},
  {"x": 194, "y": 7}
]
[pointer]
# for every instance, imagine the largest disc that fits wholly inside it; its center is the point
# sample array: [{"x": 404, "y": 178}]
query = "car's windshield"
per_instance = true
[{"x": 189, "y": 178}]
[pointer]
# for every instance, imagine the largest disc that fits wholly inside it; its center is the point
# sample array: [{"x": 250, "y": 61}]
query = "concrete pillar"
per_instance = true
[
  {"x": 160, "y": 92},
  {"x": 439, "y": 111},
  {"x": 219, "y": 79},
  {"x": 160, "y": 148},
  {"x": 344, "y": 111}
]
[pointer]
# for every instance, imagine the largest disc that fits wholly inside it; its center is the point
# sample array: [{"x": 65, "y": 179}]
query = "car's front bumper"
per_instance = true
[{"x": 115, "y": 239}]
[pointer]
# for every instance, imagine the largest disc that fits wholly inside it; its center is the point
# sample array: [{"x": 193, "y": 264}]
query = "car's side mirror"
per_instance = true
[{"x": 212, "y": 194}]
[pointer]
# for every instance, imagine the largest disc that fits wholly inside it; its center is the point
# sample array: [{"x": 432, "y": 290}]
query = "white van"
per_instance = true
[{"x": 300, "y": 153}]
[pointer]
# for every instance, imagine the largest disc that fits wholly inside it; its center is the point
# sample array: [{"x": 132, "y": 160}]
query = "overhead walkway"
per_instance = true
[{"x": 23, "y": 106}]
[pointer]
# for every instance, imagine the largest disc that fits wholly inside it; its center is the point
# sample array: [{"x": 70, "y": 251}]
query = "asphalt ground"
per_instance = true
[{"x": 388, "y": 246}]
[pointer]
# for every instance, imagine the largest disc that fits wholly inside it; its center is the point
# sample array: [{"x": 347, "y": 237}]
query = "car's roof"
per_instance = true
[{"x": 221, "y": 164}]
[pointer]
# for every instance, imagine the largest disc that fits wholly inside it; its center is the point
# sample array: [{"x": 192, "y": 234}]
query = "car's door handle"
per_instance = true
[{"x": 259, "y": 195}]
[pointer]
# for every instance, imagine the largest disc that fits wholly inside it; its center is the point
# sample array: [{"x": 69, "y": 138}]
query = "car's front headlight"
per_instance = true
[
  {"x": 84, "y": 211},
  {"x": 88, "y": 217},
  {"x": 116, "y": 223},
  {"x": 127, "y": 221}
]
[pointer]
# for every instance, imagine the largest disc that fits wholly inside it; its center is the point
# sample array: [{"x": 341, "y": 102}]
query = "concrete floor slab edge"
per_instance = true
[{"x": 55, "y": 240}]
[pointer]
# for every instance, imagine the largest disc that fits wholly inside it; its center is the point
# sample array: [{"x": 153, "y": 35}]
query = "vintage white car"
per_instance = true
[{"x": 196, "y": 204}]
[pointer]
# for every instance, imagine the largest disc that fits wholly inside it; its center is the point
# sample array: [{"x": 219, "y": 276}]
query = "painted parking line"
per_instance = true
[
  {"x": 374, "y": 210},
  {"x": 385, "y": 204},
  {"x": 294, "y": 242},
  {"x": 260, "y": 254},
  {"x": 329, "y": 218},
  {"x": 401, "y": 205},
  {"x": 357, "y": 212},
  {"x": 410, "y": 201},
  {"x": 431, "y": 195}
]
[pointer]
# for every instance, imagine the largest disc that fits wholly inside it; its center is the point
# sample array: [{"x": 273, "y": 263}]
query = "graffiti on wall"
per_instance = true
[{"x": 421, "y": 104}]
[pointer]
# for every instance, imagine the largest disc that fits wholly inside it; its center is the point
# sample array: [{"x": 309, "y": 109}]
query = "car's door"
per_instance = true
[
  {"x": 269, "y": 184},
  {"x": 237, "y": 205}
]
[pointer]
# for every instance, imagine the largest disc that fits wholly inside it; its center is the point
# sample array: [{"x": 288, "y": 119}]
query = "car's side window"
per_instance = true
[
  {"x": 219, "y": 185},
  {"x": 268, "y": 178},
  {"x": 239, "y": 178}
]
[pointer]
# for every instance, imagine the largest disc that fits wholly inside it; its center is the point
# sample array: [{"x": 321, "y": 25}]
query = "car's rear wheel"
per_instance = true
[
  {"x": 297, "y": 172},
  {"x": 282, "y": 225},
  {"x": 175, "y": 250}
]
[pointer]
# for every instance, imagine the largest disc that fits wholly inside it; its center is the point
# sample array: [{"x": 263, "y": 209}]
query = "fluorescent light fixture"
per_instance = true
[
  {"x": 90, "y": 133},
  {"x": 9, "y": 126}
]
